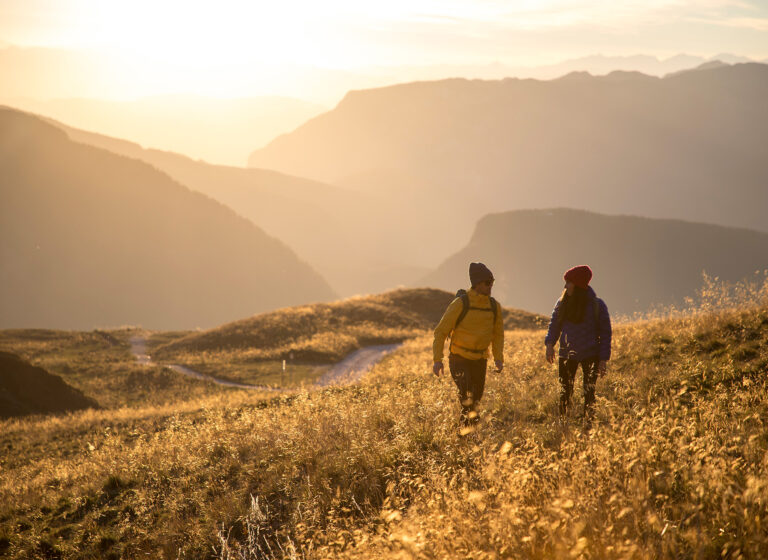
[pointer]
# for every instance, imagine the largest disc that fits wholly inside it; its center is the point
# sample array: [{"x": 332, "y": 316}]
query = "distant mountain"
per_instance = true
[
  {"x": 595, "y": 64},
  {"x": 691, "y": 146},
  {"x": 329, "y": 227},
  {"x": 89, "y": 238},
  {"x": 637, "y": 262},
  {"x": 221, "y": 131},
  {"x": 26, "y": 389},
  {"x": 601, "y": 64}
]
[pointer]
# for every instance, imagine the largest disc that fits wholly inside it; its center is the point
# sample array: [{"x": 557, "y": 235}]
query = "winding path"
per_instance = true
[
  {"x": 350, "y": 369},
  {"x": 355, "y": 366}
]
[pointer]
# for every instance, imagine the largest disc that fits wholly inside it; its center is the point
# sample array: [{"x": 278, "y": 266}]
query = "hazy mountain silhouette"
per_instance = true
[
  {"x": 222, "y": 131},
  {"x": 89, "y": 238},
  {"x": 337, "y": 231},
  {"x": 651, "y": 65},
  {"x": 597, "y": 64},
  {"x": 691, "y": 146},
  {"x": 637, "y": 262}
]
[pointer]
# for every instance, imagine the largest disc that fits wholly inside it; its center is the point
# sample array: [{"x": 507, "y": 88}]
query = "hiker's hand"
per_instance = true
[
  {"x": 602, "y": 367},
  {"x": 437, "y": 368},
  {"x": 551, "y": 353},
  {"x": 499, "y": 366}
]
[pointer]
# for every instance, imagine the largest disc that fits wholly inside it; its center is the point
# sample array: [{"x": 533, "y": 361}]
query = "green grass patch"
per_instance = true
[{"x": 257, "y": 373}]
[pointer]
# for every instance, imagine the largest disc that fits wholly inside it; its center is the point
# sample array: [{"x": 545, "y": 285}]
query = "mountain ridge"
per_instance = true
[
  {"x": 621, "y": 143},
  {"x": 290, "y": 208},
  {"x": 222, "y": 131},
  {"x": 639, "y": 262},
  {"x": 92, "y": 238}
]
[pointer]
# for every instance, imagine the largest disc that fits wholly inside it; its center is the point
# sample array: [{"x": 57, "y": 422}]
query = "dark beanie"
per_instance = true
[
  {"x": 579, "y": 275},
  {"x": 478, "y": 272}
]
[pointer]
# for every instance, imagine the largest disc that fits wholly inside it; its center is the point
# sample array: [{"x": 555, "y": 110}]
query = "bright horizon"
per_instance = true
[{"x": 236, "y": 48}]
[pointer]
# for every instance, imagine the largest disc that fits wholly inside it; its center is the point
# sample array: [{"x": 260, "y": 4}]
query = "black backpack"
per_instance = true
[{"x": 462, "y": 293}]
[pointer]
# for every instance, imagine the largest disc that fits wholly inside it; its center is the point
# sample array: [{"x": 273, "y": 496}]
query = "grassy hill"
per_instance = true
[
  {"x": 325, "y": 332},
  {"x": 622, "y": 143},
  {"x": 26, "y": 389},
  {"x": 673, "y": 467},
  {"x": 91, "y": 239},
  {"x": 99, "y": 364},
  {"x": 638, "y": 262}
]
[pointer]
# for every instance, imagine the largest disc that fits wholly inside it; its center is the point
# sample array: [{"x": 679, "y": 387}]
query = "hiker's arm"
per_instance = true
[
  {"x": 554, "y": 328},
  {"x": 553, "y": 333},
  {"x": 497, "y": 343},
  {"x": 444, "y": 328},
  {"x": 605, "y": 332}
]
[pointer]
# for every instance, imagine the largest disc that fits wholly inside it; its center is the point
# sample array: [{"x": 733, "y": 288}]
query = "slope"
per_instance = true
[
  {"x": 637, "y": 262},
  {"x": 223, "y": 131},
  {"x": 91, "y": 238},
  {"x": 674, "y": 466},
  {"x": 327, "y": 332},
  {"x": 315, "y": 219},
  {"x": 26, "y": 389}
]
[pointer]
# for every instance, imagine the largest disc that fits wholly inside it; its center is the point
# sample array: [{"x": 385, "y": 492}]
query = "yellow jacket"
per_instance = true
[{"x": 475, "y": 332}]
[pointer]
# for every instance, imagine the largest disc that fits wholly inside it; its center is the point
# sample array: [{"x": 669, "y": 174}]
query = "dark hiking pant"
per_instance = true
[
  {"x": 568, "y": 376},
  {"x": 469, "y": 376}
]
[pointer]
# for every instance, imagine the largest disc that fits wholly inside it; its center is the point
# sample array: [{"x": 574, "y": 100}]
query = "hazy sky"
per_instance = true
[{"x": 222, "y": 39}]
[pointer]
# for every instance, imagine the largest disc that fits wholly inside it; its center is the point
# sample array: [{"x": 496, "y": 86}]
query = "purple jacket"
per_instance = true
[{"x": 579, "y": 341}]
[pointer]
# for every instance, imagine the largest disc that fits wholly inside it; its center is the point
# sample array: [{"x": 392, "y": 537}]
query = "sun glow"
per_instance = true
[
  {"x": 229, "y": 48},
  {"x": 218, "y": 48},
  {"x": 179, "y": 32}
]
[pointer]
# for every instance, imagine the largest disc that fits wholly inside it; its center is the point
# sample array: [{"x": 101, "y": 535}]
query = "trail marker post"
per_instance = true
[{"x": 282, "y": 375}]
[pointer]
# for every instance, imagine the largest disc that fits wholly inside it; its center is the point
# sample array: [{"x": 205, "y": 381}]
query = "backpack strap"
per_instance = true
[
  {"x": 465, "y": 307},
  {"x": 465, "y": 302}
]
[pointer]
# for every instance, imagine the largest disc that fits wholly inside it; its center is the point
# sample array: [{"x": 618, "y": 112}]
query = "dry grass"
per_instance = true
[
  {"x": 674, "y": 467},
  {"x": 100, "y": 364},
  {"x": 325, "y": 333}
]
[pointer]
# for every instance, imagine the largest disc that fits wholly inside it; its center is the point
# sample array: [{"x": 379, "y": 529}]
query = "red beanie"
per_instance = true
[{"x": 579, "y": 275}]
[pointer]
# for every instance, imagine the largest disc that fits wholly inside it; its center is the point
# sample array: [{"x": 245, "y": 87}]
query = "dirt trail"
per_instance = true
[
  {"x": 350, "y": 369},
  {"x": 355, "y": 366}
]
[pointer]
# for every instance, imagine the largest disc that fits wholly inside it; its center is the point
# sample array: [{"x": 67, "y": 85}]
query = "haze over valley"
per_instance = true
[
  {"x": 90, "y": 238},
  {"x": 221, "y": 131},
  {"x": 624, "y": 142},
  {"x": 384, "y": 188}
]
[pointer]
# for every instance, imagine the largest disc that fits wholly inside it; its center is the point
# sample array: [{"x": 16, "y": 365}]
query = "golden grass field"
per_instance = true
[{"x": 675, "y": 465}]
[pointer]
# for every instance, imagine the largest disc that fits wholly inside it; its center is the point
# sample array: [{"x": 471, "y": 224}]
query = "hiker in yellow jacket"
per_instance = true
[{"x": 475, "y": 319}]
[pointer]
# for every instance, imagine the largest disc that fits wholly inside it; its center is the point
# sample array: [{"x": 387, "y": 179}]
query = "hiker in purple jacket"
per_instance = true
[{"x": 581, "y": 322}]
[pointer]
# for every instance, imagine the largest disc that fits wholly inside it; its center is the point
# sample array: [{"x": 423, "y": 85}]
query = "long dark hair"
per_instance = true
[{"x": 572, "y": 307}]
